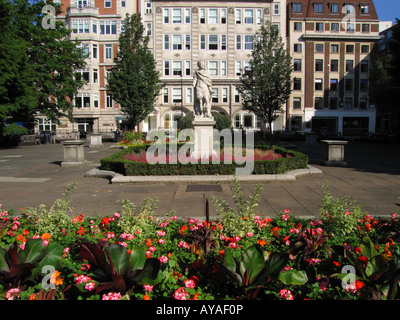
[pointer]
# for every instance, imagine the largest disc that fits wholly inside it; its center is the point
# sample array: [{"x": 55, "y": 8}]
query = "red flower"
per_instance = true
[
  {"x": 363, "y": 259},
  {"x": 81, "y": 231}
]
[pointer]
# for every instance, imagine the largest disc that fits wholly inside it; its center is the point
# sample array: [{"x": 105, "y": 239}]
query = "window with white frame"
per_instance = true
[
  {"x": 187, "y": 42},
  {"x": 166, "y": 15},
  {"x": 238, "y": 16},
  {"x": 212, "y": 16},
  {"x": 109, "y": 100},
  {"x": 177, "y": 42},
  {"x": 202, "y": 41},
  {"x": 123, "y": 27},
  {"x": 80, "y": 3},
  {"x": 276, "y": 8},
  {"x": 149, "y": 28},
  {"x": 176, "y": 68},
  {"x": 223, "y": 68},
  {"x": 108, "y": 27},
  {"x": 82, "y": 100},
  {"x": 166, "y": 68},
  {"x": 215, "y": 95},
  {"x": 224, "y": 95},
  {"x": 202, "y": 15},
  {"x": 223, "y": 16},
  {"x": 238, "y": 42},
  {"x": 47, "y": 125},
  {"x": 94, "y": 27},
  {"x": 187, "y": 15},
  {"x": 223, "y": 42},
  {"x": 238, "y": 68},
  {"x": 248, "y": 42},
  {"x": 108, "y": 51},
  {"x": 123, "y": 3},
  {"x": 176, "y": 15},
  {"x": 212, "y": 42},
  {"x": 94, "y": 51},
  {"x": 165, "y": 95},
  {"x": 148, "y": 6},
  {"x": 259, "y": 16},
  {"x": 107, "y": 3},
  {"x": 188, "y": 69},
  {"x": 176, "y": 95},
  {"x": 248, "y": 16},
  {"x": 80, "y": 26},
  {"x": 95, "y": 100},
  {"x": 213, "y": 68},
  {"x": 166, "y": 41},
  {"x": 84, "y": 74},
  {"x": 95, "y": 75},
  {"x": 189, "y": 95},
  {"x": 237, "y": 95}
]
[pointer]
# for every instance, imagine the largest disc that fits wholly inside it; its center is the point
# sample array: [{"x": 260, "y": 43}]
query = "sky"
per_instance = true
[{"x": 388, "y": 10}]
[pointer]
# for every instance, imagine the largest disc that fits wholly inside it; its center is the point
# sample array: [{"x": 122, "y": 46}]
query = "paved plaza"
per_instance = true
[{"x": 31, "y": 175}]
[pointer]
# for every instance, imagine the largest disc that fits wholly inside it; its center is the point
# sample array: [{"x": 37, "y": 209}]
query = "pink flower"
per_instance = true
[
  {"x": 286, "y": 294},
  {"x": 82, "y": 279},
  {"x": 116, "y": 215},
  {"x": 112, "y": 296},
  {"x": 180, "y": 294},
  {"x": 110, "y": 235},
  {"x": 147, "y": 287},
  {"x": 90, "y": 286},
  {"x": 393, "y": 217},
  {"x": 249, "y": 234},
  {"x": 313, "y": 261},
  {"x": 127, "y": 236},
  {"x": 14, "y": 292},
  {"x": 160, "y": 233},
  {"x": 190, "y": 283},
  {"x": 183, "y": 244},
  {"x": 152, "y": 249},
  {"x": 160, "y": 241},
  {"x": 286, "y": 211},
  {"x": 286, "y": 240},
  {"x": 285, "y": 217},
  {"x": 232, "y": 245},
  {"x": 286, "y": 268},
  {"x": 163, "y": 259},
  {"x": 236, "y": 238}
]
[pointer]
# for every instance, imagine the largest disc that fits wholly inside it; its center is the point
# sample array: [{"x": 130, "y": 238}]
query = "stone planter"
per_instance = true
[
  {"x": 95, "y": 140},
  {"x": 74, "y": 153},
  {"x": 334, "y": 152}
]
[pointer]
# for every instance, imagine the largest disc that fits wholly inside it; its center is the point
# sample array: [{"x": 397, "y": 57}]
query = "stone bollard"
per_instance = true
[
  {"x": 74, "y": 153},
  {"x": 95, "y": 140},
  {"x": 334, "y": 153}
]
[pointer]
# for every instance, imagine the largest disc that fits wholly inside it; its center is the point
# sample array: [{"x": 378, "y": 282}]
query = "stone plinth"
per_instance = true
[
  {"x": 95, "y": 140},
  {"x": 74, "y": 153},
  {"x": 203, "y": 138},
  {"x": 334, "y": 152}
]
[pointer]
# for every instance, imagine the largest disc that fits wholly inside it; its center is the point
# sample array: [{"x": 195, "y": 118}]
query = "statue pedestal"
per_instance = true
[
  {"x": 74, "y": 153},
  {"x": 203, "y": 138},
  {"x": 334, "y": 153}
]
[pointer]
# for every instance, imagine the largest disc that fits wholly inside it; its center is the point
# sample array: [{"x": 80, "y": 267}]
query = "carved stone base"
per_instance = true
[{"x": 203, "y": 138}]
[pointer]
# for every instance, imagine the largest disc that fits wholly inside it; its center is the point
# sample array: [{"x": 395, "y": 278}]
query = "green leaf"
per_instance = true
[
  {"x": 293, "y": 277},
  {"x": 138, "y": 258},
  {"x": 150, "y": 271},
  {"x": 33, "y": 252},
  {"x": 4, "y": 267},
  {"x": 376, "y": 266},
  {"x": 119, "y": 258},
  {"x": 52, "y": 255},
  {"x": 275, "y": 263},
  {"x": 368, "y": 248},
  {"x": 251, "y": 264}
]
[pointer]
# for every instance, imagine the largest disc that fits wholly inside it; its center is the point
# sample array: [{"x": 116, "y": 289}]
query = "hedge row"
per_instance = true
[{"x": 117, "y": 164}]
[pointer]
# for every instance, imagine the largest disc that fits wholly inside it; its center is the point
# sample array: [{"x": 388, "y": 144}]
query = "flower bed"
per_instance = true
[
  {"x": 51, "y": 254},
  {"x": 268, "y": 160}
]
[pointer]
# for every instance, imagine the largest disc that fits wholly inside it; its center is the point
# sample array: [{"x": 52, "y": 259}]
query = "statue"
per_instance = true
[{"x": 202, "y": 92}]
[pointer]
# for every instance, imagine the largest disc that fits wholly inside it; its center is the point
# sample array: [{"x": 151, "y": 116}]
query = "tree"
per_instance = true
[
  {"x": 38, "y": 64},
  {"x": 134, "y": 80},
  {"x": 266, "y": 84}
]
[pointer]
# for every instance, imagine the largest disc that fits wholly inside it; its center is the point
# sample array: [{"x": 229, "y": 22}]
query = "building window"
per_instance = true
[
  {"x": 176, "y": 95},
  {"x": 148, "y": 6},
  {"x": 335, "y": 26},
  {"x": 297, "y": 84},
  {"x": 318, "y": 84},
  {"x": 318, "y": 103},
  {"x": 363, "y": 103},
  {"x": 223, "y": 16},
  {"x": 123, "y": 27},
  {"x": 80, "y": 26},
  {"x": 176, "y": 68},
  {"x": 177, "y": 42},
  {"x": 319, "y": 26},
  {"x": 149, "y": 28},
  {"x": 297, "y": 103},
  {"x": 94, "y": 51},
  {"x": 365, "y": 27},
  {"x": 318, "y": 7},
  {"x": 187, "y": 42},
  {"x": 365, "y": 48},
  {"x": 107, "y": 3},
  {"x": 319, "y": 47},
  {"x": 334, "y": 85},
  {"x": 238, "y": 16},
  {"x": 298, "y": 26},
  {"x": 334, "y": 65},
  {"x": 333, "y": 103},
  {"x": 109, "y": 53},
  {"x": 189, "y": 95},
  {"x": 94, "y": 27},
  {"x": 166, "y": 41},
  {"x": 166, "y": 15},
  {"x": 364, "y": 8},
  {"x": 202, "y": 15},
  {"x": 238, "y": 68},
  {"x": 298, "y": 47},
  {"x": 223, "y": 68},
  {"x": 350, "y": 27},
  {"x": 82, "y": 100},
  {"x": 187, "y": 15},
  {"x": 79, "y": 3},
  {"x": 215, "y": 95},
  {"x": 95, "y": 76},
  {"x": 95, "y": 100},
  {"x": 237, "y": 95},
  {"x": 109, "y": 100},
  {"x": 297, "y": 7},
  {"x": 334, "y": 8},
  {"x": 349, "y": 48},
  {"x": 176, "y": 15},
  {"x": 297, "y": 65},
  {"x": 203, "y": 41},
  {"x": 223, "y": 42},
  {"x": 165, "y": 95},
  {"x": 259, "y": 15},
  {"x": 364, "y": 85},
  {"x": 364, "y": 66},
  {"x": 238, "y": 42},
  {"x": 123, "y": 4},
  {"x": 334, "y": 48},
  {"x": 348, "y": 85},
  {"x": 248, "y": 42},
  {"x": 166, "y": 68},
  {"x": 108, "y": 27},
  {"x": 188, "y": 69},
  {"x": 319, "y": 65},
  {"x": 276, "y": 8},
  {"x": 213, "y": 68},
  {"x": 212, "y": 42},
  {"x": 349, "y": 65},
  {"x": 348, "y": 103},
  {"x": 212, "y": 16},
  {"x": 248, "y": 16}
]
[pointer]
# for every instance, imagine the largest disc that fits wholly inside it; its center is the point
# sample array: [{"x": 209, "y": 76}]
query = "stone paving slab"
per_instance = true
[{"x": 369, "y": 178}]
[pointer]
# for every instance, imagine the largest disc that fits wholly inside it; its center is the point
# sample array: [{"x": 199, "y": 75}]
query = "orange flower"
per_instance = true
[
  {"x": 25, "y": 232},
  {"x": 149, "y": 242},
  {"x": 261, "y": 242},
  {"x": 55, "y": 278},
  {"x": 182, "y": 230},
  {"x": 32, "y": 296},
  {"x": 46, "y": 236},
  {"x": 81, "y": 231},
  {"x": 146, "y": 296},
  {"x": 21, "y": 238}
]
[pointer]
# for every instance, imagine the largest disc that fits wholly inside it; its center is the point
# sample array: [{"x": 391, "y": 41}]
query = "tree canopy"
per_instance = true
[
  {"x": 134, "y": 81},
  {"x": 266, "y": 84}
]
